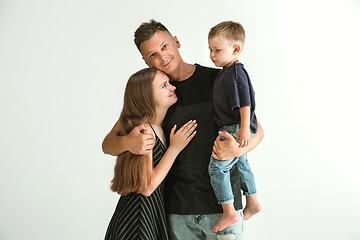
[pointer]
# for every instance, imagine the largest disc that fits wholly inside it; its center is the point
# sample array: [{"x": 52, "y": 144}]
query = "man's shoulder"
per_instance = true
[
  {"x": 204, "y": 68},
  {"x": 207, "y": 72}
]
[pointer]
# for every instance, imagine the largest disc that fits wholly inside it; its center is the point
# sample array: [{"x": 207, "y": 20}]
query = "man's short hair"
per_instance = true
[{"x": 146, "y": 30}]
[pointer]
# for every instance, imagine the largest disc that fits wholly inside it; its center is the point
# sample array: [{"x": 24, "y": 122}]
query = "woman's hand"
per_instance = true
[{"x": 183, "y": 136}]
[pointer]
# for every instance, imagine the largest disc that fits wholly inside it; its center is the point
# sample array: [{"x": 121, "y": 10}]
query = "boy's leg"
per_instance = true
[
  {"x": 232, "y": 232},
  {"x": 249, "y": 187},
  {"x": 200, "y": 227},
  {"x": 229, "y": 216},
  {"x": 247, "y": 178},
  {"x": 246, "y": 175},
  {"x": 219, "y": 172},
  {"x": 220, "y": 181},
  {"x": 252, "y": 207}
]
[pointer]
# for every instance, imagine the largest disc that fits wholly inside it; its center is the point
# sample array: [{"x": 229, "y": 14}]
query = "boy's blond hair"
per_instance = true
[{"x": 232, "y": 31}]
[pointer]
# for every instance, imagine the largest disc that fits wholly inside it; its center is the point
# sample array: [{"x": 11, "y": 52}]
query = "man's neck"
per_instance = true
[{"x": 184, "y": 71}]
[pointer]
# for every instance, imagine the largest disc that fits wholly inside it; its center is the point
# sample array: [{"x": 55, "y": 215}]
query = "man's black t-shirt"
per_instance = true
[{"x": 187, "y": 187}]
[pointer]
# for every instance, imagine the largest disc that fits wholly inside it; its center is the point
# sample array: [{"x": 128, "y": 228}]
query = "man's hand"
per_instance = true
[
  {"x": 229, "y": 148},
  {"x": 139, "y": 142},
  {"x": 226, "y": 149}
]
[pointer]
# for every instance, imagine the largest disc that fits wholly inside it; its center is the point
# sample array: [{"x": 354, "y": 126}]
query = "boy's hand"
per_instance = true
[{"x": 244, "y": 136}]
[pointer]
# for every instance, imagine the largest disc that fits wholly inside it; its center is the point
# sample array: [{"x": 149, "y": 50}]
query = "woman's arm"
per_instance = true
[
  {"x": 229, "y": 148},
  {"x": 135, "y": 142},
  {"x": 178, "y": 142}
]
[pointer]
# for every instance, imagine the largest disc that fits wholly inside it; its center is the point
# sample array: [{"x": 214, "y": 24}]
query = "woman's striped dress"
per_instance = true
[{"x": 140, "y": 217}]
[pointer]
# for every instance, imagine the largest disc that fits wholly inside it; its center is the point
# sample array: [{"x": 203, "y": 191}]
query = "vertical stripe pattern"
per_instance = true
[{"x": 140, "y": 217}]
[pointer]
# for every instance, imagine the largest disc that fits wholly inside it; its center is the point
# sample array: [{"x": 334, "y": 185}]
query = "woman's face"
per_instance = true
[{"x": 163, "y": 91}]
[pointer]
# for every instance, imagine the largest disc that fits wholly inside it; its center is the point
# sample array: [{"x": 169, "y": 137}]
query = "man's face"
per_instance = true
[{"x": 161, "y": 52}]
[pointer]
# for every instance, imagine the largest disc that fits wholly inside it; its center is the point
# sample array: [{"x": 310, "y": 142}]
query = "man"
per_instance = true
[{"x": 191, "y": 205}]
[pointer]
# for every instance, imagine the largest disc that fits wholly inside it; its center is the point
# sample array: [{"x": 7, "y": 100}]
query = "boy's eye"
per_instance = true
[
  {"x": 152, "y": 55},
  {"x": 165, "y": 46}
]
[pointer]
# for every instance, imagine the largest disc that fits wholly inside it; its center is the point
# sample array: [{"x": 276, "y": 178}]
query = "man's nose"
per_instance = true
[{"x": 163, "y": 56}]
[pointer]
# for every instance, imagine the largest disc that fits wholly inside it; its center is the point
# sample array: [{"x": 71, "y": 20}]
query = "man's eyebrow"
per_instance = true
[
  {"x": 162, "y": 44},
  {"x": 149, "y": 53}
]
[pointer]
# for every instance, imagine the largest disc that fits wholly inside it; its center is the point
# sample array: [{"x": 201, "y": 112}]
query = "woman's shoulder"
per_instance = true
[
  {"x": 156, "y": 131},
  {"x": 149, "y": 128}
]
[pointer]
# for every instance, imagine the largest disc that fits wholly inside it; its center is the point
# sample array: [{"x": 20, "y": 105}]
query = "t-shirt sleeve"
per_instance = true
[
  {"x": 238, "y": 93},
  {"x": 244, "y": 90}
]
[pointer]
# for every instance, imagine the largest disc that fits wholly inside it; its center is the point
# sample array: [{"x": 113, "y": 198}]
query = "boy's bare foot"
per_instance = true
[
  {"x": 226, "y": 220},
  {"x": 250, "y": 210}
]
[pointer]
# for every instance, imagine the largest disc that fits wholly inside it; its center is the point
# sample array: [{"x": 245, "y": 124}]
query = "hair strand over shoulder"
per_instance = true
[{"x": 132, "y": 173}]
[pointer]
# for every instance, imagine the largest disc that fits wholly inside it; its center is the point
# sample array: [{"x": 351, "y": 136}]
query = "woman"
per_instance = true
[{"x": 139, "y": 179}]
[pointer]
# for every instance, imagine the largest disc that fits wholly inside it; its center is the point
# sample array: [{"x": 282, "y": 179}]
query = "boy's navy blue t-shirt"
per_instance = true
[{"x": 233, "y": 90}]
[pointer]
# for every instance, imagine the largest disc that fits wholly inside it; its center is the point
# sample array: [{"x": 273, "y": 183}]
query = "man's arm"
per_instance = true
[
  {"x": 229, "y": 148},
  {"x": 135, "y": 142}
]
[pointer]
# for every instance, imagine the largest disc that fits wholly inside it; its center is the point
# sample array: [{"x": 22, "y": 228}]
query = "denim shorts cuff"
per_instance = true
[
  {"x": 226, "y": 201},
  {"x": 250, "y": 193}
]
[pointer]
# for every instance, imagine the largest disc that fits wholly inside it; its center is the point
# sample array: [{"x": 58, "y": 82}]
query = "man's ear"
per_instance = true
[
  {"x": 177, "y": 42},
  {"x": 236, "y": 49},
  {"x": 146, "y": 62}
]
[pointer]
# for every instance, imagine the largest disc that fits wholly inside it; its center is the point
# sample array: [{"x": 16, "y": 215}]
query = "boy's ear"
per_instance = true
[{"x": 236, "y": 49}]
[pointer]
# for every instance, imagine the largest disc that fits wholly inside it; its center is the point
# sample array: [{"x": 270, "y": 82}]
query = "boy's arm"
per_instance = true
[
  {"x": 135, "y": 142},
  {"x": 229, "y": 148},
  {"x": 244, "y": 131}
]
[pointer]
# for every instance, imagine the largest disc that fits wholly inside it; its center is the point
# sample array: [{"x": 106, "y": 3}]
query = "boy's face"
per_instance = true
[
  {"x": 161, "y": 52},
  {"x": 222, "y": 52}
]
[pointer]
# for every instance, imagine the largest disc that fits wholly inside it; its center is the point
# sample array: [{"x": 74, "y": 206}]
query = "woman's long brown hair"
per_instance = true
[{"x": 132, "y": 173}]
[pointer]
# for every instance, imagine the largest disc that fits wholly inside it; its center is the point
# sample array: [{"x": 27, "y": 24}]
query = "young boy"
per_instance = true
[{"x": 234, "y": 104}]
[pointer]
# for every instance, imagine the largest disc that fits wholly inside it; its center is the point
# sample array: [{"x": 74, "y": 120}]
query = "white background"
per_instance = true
[{"x": 63, "y": 68}]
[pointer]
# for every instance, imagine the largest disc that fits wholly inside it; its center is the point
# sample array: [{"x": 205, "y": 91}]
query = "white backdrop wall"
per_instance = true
[{"x": 63, "y": 69}]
